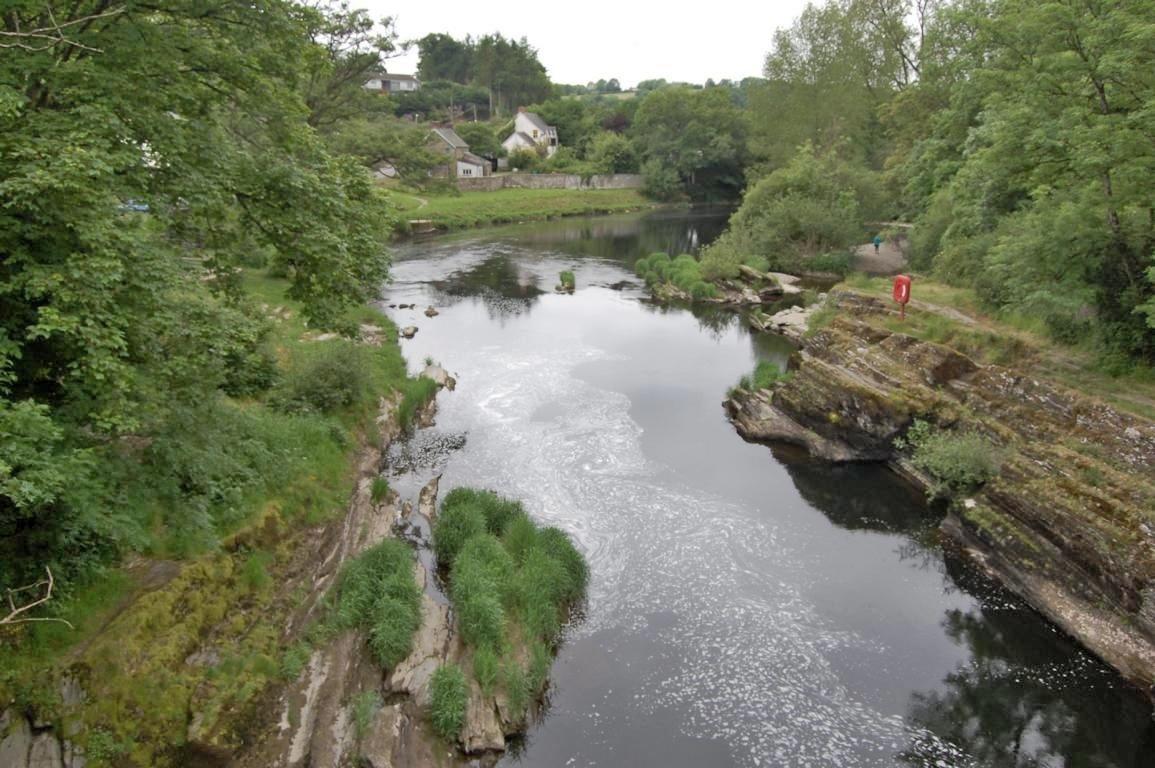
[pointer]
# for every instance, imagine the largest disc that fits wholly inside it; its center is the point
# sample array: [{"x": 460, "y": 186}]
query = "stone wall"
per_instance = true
[{"x": 550, "y": 181}]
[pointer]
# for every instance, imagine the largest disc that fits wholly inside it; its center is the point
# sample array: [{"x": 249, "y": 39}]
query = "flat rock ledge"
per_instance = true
[{"x": 1068, "y": 524}]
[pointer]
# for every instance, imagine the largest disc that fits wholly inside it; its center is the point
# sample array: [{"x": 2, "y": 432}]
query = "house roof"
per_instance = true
[
  {"x": 469, "y": 157},
  {"x": 525, "y": 139},
  {"x": 536, "y": 120},
  {"x": 389, "y": 76},
  {"x": 450, "y": 137}
]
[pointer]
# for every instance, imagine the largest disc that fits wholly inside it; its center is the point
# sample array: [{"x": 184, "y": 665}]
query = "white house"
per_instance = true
[
  {"x": 531, "y": 132},
  {"x": 383, "y": 82}
]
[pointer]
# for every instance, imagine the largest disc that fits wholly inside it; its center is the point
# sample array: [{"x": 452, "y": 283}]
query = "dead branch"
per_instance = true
[
  {"x": 42, "y": 593},
  {"x": 53, "y": 34}
]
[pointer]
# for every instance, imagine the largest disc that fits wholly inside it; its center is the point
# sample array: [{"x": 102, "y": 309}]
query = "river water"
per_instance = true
[{"x": 748, "y": 606}]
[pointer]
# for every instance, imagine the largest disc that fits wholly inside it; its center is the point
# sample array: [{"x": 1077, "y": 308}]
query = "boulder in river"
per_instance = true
[
  {"x": 431, "y": 312},
  {"x": 409, "y": 331}
]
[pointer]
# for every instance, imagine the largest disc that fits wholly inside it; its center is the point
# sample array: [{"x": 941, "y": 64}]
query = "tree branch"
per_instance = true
[{"x": 42, "y": 591}]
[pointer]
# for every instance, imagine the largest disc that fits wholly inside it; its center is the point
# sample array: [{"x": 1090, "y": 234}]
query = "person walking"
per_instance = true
[{"x": 877, "y": 242}]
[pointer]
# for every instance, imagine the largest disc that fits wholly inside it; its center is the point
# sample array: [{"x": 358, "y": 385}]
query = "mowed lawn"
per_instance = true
[{"x": 470, "y": 209}]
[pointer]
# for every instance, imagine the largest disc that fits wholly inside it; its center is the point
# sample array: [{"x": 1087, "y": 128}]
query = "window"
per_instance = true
[{"x": 535, "y": 133}]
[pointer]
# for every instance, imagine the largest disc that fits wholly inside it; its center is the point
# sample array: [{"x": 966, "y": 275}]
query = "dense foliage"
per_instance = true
[
  {"x": 511, "y": 582},
  {"x": 377, "y": 593},
  {"x": 145, "y": 155},
  {"x": 1016, "y": 134},
  {"x": 957, "y": 462},
  {"x": 508, "y": 69},
  {"x": 684, "y": 273}
]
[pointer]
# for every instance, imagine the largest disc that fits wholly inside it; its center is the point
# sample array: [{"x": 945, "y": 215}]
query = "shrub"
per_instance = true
[
  {"x": 333, "y": 375},
  {"x": 485, "y": 669},
  {"x": 415, "y": 393},
  {"x": 517, "y": 690},
  {"x": 567, "y": 280},
  {"x": 365, "y": 706},
  {"x": 958, "y": 462},
  {"x": 683, "y": 272},
  {"x": 766, "y": 374},
  {"x": 448, "y": 694},
  {"x": 498, "y": 512},
  {"x": 377, "y": 593},
  {"x": 455, "y": 525},
  {"x": 379, "y": 491}
]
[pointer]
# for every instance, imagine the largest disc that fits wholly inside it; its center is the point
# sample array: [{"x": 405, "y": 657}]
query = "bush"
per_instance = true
[
  {"x": 456, "y": 524},
  {"x": 683, "y": 272},
  {"x": 334, "y": 375},
  {"x": 377, "y": 593},
  {"x": 568, "y": 281},
  {"x": 379, "y": 491},
  {"x": 958, "y": 462},
  {"x": 485, "y": 669},
  {"x": 448, "y": 694},
  {"x": 523, "y": 160},
  {"x": 415, "y": 394},
  {"x": 498, "y": 512}
]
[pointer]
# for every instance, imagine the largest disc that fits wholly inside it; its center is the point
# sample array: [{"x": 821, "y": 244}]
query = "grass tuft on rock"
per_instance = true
[
  {"x": 378, "y": 594},
  {"x": 512, "y": 584},
  {"x": 959, "y": 462},
  {"x": 448, "y": 693},
  {"x": 683, "y": 272}
]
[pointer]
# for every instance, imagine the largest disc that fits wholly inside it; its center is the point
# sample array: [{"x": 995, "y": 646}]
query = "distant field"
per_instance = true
[{"x": 471, "y": 209}]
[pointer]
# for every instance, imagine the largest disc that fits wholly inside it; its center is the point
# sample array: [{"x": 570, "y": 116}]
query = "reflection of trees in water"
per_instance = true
[
  {"x": 627, "y": 238},
  {"x": 506, "y": 289},
  {"x": 1028, "y": 697},
  {"x": 857, "y": 496}
]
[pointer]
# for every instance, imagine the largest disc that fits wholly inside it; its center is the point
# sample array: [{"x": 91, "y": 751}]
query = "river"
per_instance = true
[{"x": 748, "y": 606}]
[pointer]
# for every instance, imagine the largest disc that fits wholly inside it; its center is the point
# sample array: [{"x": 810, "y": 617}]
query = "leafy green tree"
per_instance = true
[
  {"x": 144, "y": 156},
  {"x": 482, "y": 139},
  {"x": 613, "y": 153},
  {"x": 811, "y": 206},
  {"x": 692, "y": 142},
  {"x": 349, "y": 46},
  {"x": 443, "y": 58}
]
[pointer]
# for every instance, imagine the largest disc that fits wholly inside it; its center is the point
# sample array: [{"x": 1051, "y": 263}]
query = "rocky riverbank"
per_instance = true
[
  {"x": 1069, "y": 521},
  {"x": 333, "y": 707}
]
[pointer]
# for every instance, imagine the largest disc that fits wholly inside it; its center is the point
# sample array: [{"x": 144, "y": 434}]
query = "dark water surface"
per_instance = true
[{"x": 748, "y": 606}]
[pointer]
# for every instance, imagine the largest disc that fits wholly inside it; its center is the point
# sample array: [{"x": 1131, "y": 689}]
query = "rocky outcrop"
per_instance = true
[
  {"x": 791, "y": 322},
  {"x": 439, "y": 376},
  {"x": 1069, "y": 522},
  {"x": 750, "y": 289}
]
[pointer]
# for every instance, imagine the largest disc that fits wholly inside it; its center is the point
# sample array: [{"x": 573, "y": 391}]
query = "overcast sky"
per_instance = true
[{"x": 580, "y": 41}]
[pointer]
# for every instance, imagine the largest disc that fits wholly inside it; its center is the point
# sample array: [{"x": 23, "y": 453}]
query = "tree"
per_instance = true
[
  {"x": 349, "y": 46},
  {"x": 613, "y": 153},
  {"x": 141, "y": 163},
  {"x": 693, "y": 138},
  {"x": 813, "y": 205},
  {"x": 443, "y": 58},
  {"x": 482, "y": 139}
]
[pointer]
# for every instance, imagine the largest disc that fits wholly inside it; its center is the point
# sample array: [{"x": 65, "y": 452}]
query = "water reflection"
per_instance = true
[
  {"x": 1025, "y": 700},
  {"x": 505, "y": 286},
  {"x": 1026, "y": 695}
]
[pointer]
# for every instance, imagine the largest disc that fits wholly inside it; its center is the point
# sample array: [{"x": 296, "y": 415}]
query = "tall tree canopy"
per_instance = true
[
  {"x": 508, "y": 69},
  {"x": 691, "y": 142},
  {"x": 145, "y": 152}
]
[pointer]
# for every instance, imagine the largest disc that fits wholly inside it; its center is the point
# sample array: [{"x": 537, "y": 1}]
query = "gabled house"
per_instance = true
[
  {"x": 459, "y": 161},
  {"x": 384, "y": 82},
  {"x": 531, "y": 132}
]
